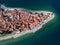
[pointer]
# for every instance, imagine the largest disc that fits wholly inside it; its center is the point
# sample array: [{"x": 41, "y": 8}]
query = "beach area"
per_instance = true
[{"x": 34, "y": 29}]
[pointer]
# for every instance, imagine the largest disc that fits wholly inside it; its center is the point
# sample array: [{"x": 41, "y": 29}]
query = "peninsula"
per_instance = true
[{"x": 15, "y": 22}]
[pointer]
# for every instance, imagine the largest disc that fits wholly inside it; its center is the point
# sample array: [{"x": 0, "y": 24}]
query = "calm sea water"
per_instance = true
[{"x": 49, "y": 34}]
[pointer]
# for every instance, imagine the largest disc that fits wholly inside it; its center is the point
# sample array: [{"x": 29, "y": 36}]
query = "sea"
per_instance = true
[{"x": 49, "y": 34}]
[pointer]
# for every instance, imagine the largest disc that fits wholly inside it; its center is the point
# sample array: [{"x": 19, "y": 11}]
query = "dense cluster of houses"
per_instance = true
[{"x": 19, "y": 20}]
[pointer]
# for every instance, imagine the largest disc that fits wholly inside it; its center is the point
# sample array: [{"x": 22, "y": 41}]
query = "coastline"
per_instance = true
[{"x": 36, "y": 28}]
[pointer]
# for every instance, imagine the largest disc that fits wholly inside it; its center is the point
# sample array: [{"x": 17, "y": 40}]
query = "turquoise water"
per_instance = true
[{"x": 49, "y": 34}]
